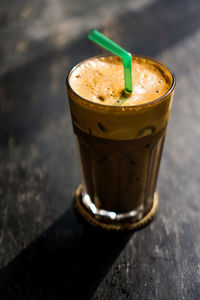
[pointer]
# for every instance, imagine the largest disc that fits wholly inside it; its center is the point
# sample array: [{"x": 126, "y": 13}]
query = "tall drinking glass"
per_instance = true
[{"x": 120, "y": 148}]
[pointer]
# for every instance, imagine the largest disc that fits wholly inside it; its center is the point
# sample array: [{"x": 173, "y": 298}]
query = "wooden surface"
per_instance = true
[{"x": 45, "y": 253}]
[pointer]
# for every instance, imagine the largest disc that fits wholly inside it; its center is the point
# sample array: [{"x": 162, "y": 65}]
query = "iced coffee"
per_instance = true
[{"x": 120, "y": 137}]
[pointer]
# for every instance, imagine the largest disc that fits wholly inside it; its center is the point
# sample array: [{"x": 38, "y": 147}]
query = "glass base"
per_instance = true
[{"x": 110, "y": 220}]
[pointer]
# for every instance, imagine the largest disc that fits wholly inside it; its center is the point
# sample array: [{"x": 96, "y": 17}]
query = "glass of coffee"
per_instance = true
[{"x": 119, "y": 142}]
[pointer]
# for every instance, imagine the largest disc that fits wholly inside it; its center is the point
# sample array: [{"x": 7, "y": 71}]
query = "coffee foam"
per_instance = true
[{"x": 101, "y": 80}]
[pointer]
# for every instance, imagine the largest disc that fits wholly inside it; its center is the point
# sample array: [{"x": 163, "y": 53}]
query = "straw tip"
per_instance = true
[{"x": 91, "y": 32}]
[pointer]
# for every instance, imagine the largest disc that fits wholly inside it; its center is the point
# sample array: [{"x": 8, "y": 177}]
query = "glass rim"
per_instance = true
[{"x": 121, "y": 107}]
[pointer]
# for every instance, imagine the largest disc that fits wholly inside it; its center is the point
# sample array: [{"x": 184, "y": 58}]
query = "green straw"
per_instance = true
[{"x": 106, "y": 43}]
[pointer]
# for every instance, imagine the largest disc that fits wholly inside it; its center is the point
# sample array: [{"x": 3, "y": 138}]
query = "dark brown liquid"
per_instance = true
[{"x": 120, "y": 175}]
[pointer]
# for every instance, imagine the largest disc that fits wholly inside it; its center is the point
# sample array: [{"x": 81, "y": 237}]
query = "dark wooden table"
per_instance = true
[{"x": 45, "y": 253}]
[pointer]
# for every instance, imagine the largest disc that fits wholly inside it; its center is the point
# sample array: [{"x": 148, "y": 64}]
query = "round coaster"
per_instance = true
[{"x": 122, "y": 226}]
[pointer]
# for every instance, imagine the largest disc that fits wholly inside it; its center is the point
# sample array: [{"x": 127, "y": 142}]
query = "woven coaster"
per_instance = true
[{"x": 122, "y": 226}]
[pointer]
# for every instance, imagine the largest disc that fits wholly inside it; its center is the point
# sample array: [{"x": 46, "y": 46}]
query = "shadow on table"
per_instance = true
[{"x": 68, "y": 261}]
